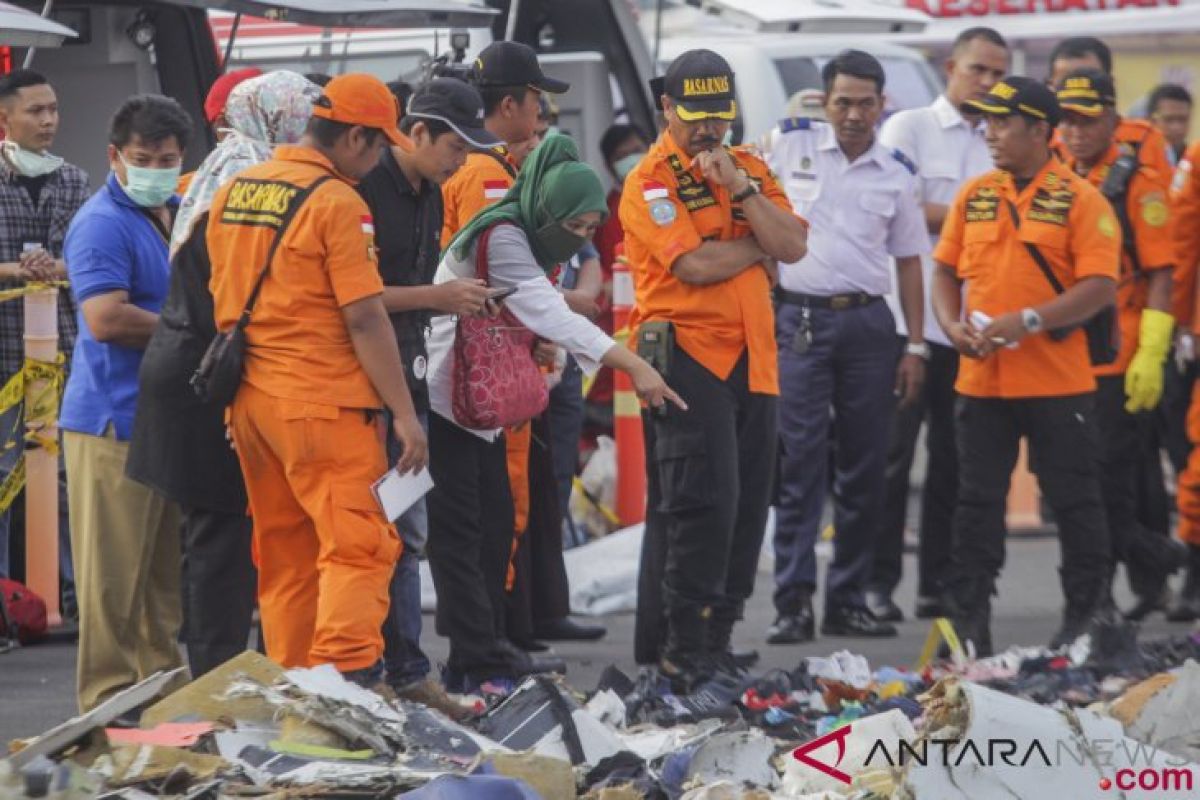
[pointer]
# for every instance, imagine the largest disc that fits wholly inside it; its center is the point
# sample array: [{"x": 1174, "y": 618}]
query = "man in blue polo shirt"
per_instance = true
[{"x": 124, "y": 535}]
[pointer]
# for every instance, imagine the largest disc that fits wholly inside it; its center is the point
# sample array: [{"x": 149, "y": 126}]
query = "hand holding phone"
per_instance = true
[{"x": 497, "y": 295}]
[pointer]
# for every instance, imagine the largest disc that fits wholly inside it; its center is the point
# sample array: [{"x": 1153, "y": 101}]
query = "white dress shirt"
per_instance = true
[
  {"x": 947, "y": 151},
  {"x": 861, "y": 213},
  {"x": 537, "y": 304}
]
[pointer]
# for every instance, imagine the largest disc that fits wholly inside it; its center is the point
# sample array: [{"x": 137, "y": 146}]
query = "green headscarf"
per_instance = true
[{"x": 552, "y": 187}]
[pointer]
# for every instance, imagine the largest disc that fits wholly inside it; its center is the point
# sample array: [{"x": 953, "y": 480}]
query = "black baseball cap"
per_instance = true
[
  {"x": 456, "y": 104},
  {"x": 1087, "y": 92},
  {"x": 1016, "y": 95},
  {"x": 513, "y": 64},
  {"x": 701, "y": 84}
]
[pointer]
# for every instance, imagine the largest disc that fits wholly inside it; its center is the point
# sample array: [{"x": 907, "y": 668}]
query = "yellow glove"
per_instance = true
[{"x": 1144, "y": 378}]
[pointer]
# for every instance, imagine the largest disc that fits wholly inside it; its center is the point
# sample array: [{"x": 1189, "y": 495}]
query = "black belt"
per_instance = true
[{"x": 833, "y": 302}]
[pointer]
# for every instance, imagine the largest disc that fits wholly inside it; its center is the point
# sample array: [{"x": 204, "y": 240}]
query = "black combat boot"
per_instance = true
[{"x": 685, "y": 662}]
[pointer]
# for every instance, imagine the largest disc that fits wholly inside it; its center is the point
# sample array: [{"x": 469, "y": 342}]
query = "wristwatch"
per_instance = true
[
  {"x": 1031, "y": 320},
  {"x": 917, "y": 349},
  {"x": 750, "y": 190}
]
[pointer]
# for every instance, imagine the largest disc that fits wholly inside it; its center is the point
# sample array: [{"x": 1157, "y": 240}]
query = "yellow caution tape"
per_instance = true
[
  {"x": 41, "y": 414},
  {"x": 589, "y": 381},
  {"x": 604, "y": 510},
  {"x": 30, "y": 288},
  {"x": 11, "y": 486},
  {"x": 942, "y": 631}
]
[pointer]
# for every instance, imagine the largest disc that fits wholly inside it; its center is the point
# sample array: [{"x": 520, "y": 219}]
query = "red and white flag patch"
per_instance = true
[
  {"x": 368, "y": 225},
  {"x": 653, "y": 190},
  {"x": 494, "y": 190}
]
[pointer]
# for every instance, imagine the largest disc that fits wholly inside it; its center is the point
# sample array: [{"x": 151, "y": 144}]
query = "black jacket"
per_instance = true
[{"x": 178, "y": 446}]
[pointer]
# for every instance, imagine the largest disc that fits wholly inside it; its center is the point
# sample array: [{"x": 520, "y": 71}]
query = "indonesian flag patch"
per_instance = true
[
  {"x": 653, "y": 190},
  {"x": 494, "y": 190},
  {"x": 368, "y": 225}
]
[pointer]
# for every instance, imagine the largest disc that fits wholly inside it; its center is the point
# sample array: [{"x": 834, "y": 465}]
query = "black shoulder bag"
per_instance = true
[
  {"x": 219, "y": 375},
  {"x": 1103, "y": 333}
]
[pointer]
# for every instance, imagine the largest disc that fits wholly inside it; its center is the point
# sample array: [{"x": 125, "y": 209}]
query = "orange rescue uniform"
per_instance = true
[
  {"x": 481, "y": 181},
  {"x": 1149, "y": 218},
  {"x": 1185, "y": 239},
  {"x": 1147, "y": 140},
  {"x": 306, "y": 421},
  {"x": 668, "y": 210},
  {"x": 1074, "y": 227}
]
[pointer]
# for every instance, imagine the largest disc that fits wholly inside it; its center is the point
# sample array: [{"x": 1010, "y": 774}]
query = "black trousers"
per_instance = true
[
  {"x": 1062, "y": 434},
  {"x": 540, "y": 593},
  {"x": 220, "y": 586},
  {"x": 470, "y": 537},
  {"x": 935, "y": 410},
  {"x": 715, "y": 464},
  {"x": 1122, "y": 462},
  {"x": 650, "y": 622}
]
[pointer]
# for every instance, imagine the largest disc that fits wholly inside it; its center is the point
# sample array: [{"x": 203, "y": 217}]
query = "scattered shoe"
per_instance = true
[
  {"x": 854, "y": 621},
  {"x": 883, "y": 608},
  {"x": 429, "y": 692},
  {"x": 565, "y": 629}
]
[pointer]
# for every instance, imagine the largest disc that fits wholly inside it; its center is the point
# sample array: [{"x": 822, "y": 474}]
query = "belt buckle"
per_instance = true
[{"x": 840, "y": 302}]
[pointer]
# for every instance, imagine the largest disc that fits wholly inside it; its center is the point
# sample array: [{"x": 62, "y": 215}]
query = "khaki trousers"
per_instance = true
[{"x": 125, "y": 538}]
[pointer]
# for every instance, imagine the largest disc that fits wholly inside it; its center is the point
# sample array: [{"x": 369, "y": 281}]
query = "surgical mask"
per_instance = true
[
  {"x": 558, "y": 243},
  {"x": 626, "y": 165},
  {"x": 727, "y": 139},
  {"x": 147, "y": 186},
  {"x": 29, "y": 163}
]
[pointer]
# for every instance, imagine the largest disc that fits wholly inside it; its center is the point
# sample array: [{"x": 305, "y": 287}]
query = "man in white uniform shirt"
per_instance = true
[
  {"x": 947, "y": 149},
  {"x": 837, "y": 345}
]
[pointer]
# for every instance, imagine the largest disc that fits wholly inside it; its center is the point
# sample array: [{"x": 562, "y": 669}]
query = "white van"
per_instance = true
[{"x": 777, "y": 49}]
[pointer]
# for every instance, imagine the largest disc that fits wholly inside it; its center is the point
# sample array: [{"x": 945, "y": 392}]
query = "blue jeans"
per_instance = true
[
  {"x": 403, "y": 658},
  {"x": 12, "y": 421}
]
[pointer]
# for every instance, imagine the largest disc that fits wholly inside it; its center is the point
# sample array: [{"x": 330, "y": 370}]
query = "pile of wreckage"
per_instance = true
[{"x": 1027, "y": 723}]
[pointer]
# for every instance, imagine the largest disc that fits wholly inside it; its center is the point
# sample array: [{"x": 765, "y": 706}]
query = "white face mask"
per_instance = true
[{"x": 27, "y": 162}]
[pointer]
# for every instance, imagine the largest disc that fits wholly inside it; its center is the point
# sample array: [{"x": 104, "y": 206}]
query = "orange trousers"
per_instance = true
[
  {"x": 324, "y": 551},
  {"x": 1188, "y": 493},
  {"x": 517, "y": 441}
]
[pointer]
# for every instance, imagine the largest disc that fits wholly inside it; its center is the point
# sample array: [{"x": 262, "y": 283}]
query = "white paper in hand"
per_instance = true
[{"x": 396, "y": 493}]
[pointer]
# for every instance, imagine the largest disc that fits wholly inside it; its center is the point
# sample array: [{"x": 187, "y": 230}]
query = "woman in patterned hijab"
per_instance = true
[{"x": 262, "y": 112}]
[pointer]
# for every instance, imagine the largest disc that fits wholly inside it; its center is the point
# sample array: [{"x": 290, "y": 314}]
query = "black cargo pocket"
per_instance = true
[{"x": 684, "y": 472}]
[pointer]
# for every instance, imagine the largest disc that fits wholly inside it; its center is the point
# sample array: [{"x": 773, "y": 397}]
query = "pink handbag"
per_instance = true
[{"x": 497, "y": 384}]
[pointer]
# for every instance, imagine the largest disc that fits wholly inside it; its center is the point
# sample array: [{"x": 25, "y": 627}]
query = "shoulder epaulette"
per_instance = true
[
  {"x": 905, "y": 161},
  {"x": 795, "y": 124}
]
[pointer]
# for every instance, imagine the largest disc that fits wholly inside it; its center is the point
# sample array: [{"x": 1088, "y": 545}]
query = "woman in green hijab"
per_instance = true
[{"x": 556, "y": 204}]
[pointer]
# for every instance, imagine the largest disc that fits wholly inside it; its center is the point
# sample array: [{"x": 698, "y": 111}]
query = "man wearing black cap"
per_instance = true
[
  {"x": 1039, "y": 249},
  {"x": 511, "y": 83},
  {"x": 704, "y": 227},
  {"x": 444, "y": 123},
  {"x": 1133, "y": 384}
]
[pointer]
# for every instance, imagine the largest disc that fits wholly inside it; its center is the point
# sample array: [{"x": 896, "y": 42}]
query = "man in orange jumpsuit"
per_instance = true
[
  {"x": 1088, "y": 52},
  {"x": 1131, "y": 386},
  {"x": 1185, "y": 212},
  {"x": 511, "y": 82},
  {"x": 321, "y": 363}
]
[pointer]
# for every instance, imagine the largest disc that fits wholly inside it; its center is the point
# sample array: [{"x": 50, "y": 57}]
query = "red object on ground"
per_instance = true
[{"x": 23, "y": 616}]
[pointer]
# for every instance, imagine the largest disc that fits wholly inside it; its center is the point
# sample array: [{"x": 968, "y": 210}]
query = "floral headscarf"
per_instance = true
[{"x": 262, "y": 112}]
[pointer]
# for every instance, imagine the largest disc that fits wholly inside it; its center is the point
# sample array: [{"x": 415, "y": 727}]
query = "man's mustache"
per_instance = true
[{"x": 706, "y": 141}]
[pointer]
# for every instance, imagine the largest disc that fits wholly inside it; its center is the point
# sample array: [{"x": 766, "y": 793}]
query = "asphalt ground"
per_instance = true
[{"x": 37, "y": 683}]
